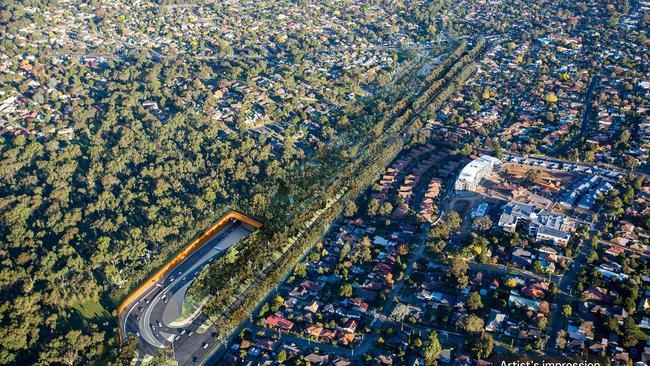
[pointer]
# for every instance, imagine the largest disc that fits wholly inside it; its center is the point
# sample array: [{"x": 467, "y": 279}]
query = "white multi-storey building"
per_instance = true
[{"x": 471, "y": 175}]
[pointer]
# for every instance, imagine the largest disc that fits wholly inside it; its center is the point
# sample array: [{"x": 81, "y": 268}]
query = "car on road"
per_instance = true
[
  {"x": 190, "y": 334},
  {"x": 183, "y": 331},
  {"x": 205, "y": 345},
  {"x": 177, "y": 337},
  {"x": 165, "y": 300},
  {"x": 185, "y": 278},
  {"x": 137, "y": 334},
  {"x": 159, "y": 324},
  {"x": 147, "y": 301}
]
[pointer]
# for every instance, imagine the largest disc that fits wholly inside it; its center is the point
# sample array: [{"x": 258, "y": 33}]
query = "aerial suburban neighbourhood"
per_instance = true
[{"x": 325, "y": 182}]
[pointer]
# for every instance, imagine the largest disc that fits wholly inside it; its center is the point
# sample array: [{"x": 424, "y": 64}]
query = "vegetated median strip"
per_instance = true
[
  {"x": 180, "y": 257},
  {"x": 186, "y": 320},
  {"x": 363, "y": 172}
]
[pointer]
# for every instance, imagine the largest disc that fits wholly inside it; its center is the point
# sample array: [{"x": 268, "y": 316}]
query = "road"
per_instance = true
[
  {"x": 597, "y": 168},
  {"x": 585, "y": 127},
  {"x": 152, "y": 317},
  {"x": 565, "y": 295}
]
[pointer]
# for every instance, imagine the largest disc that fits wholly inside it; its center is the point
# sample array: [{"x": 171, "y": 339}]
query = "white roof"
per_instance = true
[{"x": 471, "y": 170}]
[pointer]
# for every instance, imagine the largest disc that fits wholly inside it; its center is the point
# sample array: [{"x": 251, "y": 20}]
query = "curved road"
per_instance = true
[{"x": 151, "y": 316}]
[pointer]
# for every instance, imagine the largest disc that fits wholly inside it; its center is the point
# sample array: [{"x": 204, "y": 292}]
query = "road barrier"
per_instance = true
[{"x": 179, "y": 257}]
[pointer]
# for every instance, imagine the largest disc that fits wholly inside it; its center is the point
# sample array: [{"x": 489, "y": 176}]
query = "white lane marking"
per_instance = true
[
  {"x": 133, "y": 305},
  {"x": 147, "y": 328}
]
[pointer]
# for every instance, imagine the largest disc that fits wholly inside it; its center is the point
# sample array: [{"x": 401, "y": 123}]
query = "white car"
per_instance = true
[{"x": 205, "y": 345}]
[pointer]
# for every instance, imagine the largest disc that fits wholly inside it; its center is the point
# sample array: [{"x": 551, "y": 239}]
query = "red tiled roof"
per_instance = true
[{"x": 278, "y": 321}]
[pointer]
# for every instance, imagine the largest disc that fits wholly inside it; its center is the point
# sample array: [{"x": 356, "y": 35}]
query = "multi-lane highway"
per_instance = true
[{"x": 153, "y": 317}]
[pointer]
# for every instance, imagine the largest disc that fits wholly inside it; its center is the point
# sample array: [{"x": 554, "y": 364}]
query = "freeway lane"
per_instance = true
[{"x": 152, "y": 316}]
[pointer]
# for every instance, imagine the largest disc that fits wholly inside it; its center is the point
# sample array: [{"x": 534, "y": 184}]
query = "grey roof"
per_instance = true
[{"x": 554, "y": 233}]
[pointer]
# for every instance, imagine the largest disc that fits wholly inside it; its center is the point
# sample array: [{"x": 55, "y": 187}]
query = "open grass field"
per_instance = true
[{"x": 90, "y": 309}]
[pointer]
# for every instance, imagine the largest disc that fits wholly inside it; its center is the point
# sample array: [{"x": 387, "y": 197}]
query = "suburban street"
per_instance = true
[
  {"x": 565, "y": 295},
  {"x": 585, "y": 125},
  {"x": 154, "y": 316}
]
